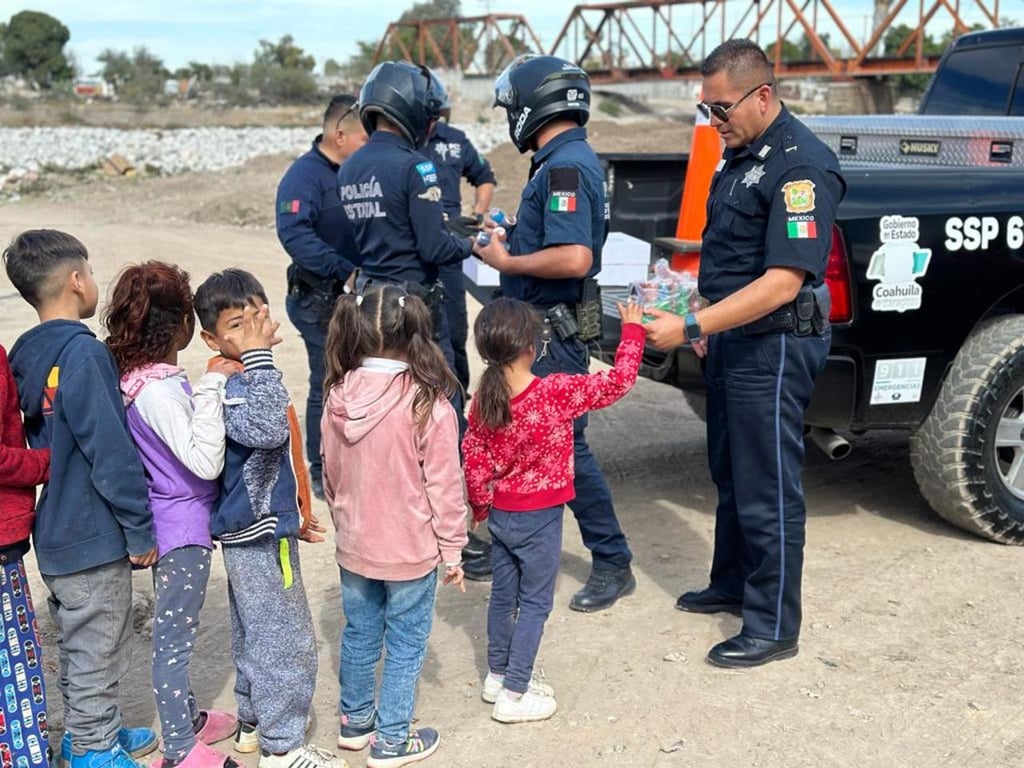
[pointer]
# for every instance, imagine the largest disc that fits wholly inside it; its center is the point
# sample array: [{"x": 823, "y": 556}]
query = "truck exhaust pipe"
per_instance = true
[{"x": 835, "y": 446}]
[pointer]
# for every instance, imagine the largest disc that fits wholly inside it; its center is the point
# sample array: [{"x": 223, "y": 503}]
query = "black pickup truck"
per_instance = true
[{"x": 927, "y": 280}]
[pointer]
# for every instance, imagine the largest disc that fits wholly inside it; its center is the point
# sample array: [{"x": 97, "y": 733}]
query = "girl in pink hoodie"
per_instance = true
[{"x": 392, "y": 478}]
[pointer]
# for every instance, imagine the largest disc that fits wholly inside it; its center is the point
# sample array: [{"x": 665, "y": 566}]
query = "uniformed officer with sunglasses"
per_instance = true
[
  {"x": 765, "y": 337},
  {"x": 313, "y": 230}
]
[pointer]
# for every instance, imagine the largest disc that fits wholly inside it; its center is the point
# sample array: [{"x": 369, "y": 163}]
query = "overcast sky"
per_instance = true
[{"x": 226, "y": 31}]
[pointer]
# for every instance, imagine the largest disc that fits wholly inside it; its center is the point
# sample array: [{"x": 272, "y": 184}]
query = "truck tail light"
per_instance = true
[{"x": 837, "y": 278}]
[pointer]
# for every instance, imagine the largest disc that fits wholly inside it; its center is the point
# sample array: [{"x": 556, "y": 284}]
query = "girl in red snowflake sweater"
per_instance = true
[
  {"x": 519, "y": 472},
  {"x": 21, "y": 469}
]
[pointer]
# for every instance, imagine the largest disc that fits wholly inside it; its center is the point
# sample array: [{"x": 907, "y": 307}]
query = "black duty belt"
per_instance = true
[{"x": 806, "y": 315}]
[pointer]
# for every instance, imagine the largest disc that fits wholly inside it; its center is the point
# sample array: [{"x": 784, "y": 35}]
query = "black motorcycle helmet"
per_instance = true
[
  {"x": 403, "y": 93},
  {"x": 535, "y": 90},
  {"x": 442, "y": 94}
]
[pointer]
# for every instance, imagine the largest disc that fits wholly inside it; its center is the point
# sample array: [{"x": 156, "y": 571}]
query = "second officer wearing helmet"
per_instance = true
[
  {"x": 391, "y": 194},
  {"x": 553, "y": 253}
]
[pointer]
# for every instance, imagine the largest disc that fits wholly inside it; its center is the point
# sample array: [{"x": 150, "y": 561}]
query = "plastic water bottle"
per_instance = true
[
  {"x": 500, "y": 217},
  {"x": 483, "y": 239}
]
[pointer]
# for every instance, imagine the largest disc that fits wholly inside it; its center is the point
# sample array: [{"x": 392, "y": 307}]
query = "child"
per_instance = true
[
  {"x": 519, "y": 472},
  {"x": 20, "y": 650},
  {"x": 393, "y": 483},
  {"x": 180, "y": 437},
  {"x": 93, "y": 520},
  {"x": 257, "y": 520}
]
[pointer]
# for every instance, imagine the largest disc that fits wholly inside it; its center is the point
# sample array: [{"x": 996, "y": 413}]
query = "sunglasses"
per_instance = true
[
  {"x": 344, "y": 115},
  {"x": 721, "y": 112}
]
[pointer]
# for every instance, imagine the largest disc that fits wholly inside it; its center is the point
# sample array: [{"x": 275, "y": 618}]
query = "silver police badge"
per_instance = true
[{"x": 753, "y": 176}]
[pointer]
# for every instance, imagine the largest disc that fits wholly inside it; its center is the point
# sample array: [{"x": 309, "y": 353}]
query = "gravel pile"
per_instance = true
[{"x": 26, "y": 151}]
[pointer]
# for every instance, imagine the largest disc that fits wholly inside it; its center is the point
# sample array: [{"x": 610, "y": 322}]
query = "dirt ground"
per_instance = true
[{"x": 911, "y": 653}]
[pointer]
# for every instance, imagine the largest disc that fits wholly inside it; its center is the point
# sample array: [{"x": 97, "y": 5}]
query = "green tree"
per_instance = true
[
  {"x": 33, "y": 47},
  {"x": 282, "y": 72},
  {"x": 433, "y": 9},
  {"x": 284, "y": 54},
  {"x": 139, "y": 77},
  {"x": 332, "y": 68}
]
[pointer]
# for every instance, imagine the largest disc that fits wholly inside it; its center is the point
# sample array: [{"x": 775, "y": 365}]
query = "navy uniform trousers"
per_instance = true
[
  {"x": 758, "y": 388},
  {"x": 599, "y": 527}
]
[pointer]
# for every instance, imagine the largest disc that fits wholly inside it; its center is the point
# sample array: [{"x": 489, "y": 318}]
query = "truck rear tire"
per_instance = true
[{"x": 968, "y": 455}]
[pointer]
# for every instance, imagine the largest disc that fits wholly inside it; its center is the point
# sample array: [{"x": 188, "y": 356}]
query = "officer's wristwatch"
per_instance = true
[{"x": 693, "y": 332}]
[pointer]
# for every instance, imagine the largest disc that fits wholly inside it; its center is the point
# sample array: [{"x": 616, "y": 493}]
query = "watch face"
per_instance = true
[{"x": 692, "y": 328}]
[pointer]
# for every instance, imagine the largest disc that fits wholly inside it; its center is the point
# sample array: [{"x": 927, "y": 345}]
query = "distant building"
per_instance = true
[{"x": 90, "y": 88}]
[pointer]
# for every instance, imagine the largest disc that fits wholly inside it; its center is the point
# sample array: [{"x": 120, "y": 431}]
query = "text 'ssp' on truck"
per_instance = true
[{"x": 926, "y": 273}]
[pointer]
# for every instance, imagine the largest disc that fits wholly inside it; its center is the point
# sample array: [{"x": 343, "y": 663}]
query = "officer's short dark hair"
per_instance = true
[
  {"x": 741, "y": 59},
  {"x": 230, "y": 289},
  {"x": 337, "y": 109},
  {"x": 38, "y": 260}
]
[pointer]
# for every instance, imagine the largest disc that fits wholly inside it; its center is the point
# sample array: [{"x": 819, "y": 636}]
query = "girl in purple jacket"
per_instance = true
[{"x": 180, "y": 436}]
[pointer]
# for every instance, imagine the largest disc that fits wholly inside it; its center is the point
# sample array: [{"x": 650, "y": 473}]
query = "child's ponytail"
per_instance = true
[
  {"x": 351, "y": 336},
  {"x": 426, "y": 361},
  {"x": 504, "y": 329}
]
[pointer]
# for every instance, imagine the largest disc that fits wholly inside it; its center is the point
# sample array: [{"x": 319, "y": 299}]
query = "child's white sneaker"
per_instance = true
[
  {"x": 247, "y": 738},
  {"x": 306, "y": 756},
  {"x": 494, "y": 683},
  {"x": 528, "y": 708}
]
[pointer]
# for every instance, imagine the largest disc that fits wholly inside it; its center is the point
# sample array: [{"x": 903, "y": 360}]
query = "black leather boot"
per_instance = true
[
  {"x": 603, "y": 589},
  {"x": 478, "y": 568}
]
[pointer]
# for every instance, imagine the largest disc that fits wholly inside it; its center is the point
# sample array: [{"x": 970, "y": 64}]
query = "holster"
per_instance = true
[
  {"x": 589, "y": 312},
  {"x": 562, "y": 321},
  {"x": 822, "y": 309},
  {"x": 302, "y": 281}
]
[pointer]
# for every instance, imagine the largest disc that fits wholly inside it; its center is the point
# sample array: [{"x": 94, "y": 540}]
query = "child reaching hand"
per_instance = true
[
  {"x": 394, "y": 486},
  {"x": 180, "y": 436},
  {"x": 519, "y": 473}
]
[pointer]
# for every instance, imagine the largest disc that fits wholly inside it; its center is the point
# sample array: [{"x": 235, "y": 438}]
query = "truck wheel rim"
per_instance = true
[{"x": 1009, "y": 445}]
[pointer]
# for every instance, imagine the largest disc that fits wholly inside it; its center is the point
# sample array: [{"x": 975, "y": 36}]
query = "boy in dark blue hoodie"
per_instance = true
[{"x": 93, "y": 520}]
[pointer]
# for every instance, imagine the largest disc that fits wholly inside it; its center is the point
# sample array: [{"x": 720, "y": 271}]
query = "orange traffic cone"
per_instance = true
[{"x": 705, "y": 154}]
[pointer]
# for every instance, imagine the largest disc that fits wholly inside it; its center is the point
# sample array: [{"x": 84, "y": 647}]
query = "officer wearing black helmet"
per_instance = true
[
  {"x": 391, "y": 195},
  {"x": 455, "y": 158},
  {"x": 552, "y": 255}
]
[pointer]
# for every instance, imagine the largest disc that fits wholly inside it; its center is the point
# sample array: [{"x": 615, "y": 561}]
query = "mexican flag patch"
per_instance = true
[
  {"x": 563, "y": 202},
  {"x": 799, "y": 230},
  {"x": 289, "y": 206}
]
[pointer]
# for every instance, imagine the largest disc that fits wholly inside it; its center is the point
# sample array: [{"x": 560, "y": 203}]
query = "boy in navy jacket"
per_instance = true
[{"x": 93, "y": 520}]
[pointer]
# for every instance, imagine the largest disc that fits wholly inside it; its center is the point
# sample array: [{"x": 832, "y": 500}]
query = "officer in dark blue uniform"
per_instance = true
[
  {"x": 391, "y": 193},
  {"x": 314, "y": 231},
  {"x": 766, "y": 337},
  {"x": 553, "y": 253},
  {"x": 456, "y": 158}
]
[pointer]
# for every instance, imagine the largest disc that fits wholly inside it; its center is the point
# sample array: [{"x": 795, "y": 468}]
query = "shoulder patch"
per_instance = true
[
  {"x": 433, "y": 194},
  {"x": 427, "y": 172},
  {"x": 564, "y": 180},
  {"x": 289, "y": 206},
  {"x": 799, "y": 196}
]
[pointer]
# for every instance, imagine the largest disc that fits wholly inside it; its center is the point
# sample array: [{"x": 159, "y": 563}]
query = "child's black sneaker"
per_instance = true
[{"x": 421, "y": 744}]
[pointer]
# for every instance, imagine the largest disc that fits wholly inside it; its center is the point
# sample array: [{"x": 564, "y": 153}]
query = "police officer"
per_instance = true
[
  {"x": 391, "y": 193},
  {"x": 314, "y": 231},
  {"x": 772, "y": 204},
  {"x": 455, "y": 157},
  {"x": 553, "y": 253}
]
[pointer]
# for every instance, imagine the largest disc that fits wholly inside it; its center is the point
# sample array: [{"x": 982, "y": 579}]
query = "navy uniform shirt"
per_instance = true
[
  {"x": 772, "y": 204},
  {"x": 454, "y": 156},
  {"x": 562, "y": 204},
  {"x": 390, "y": 193},
  {"x": 310, "y": 222}
]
